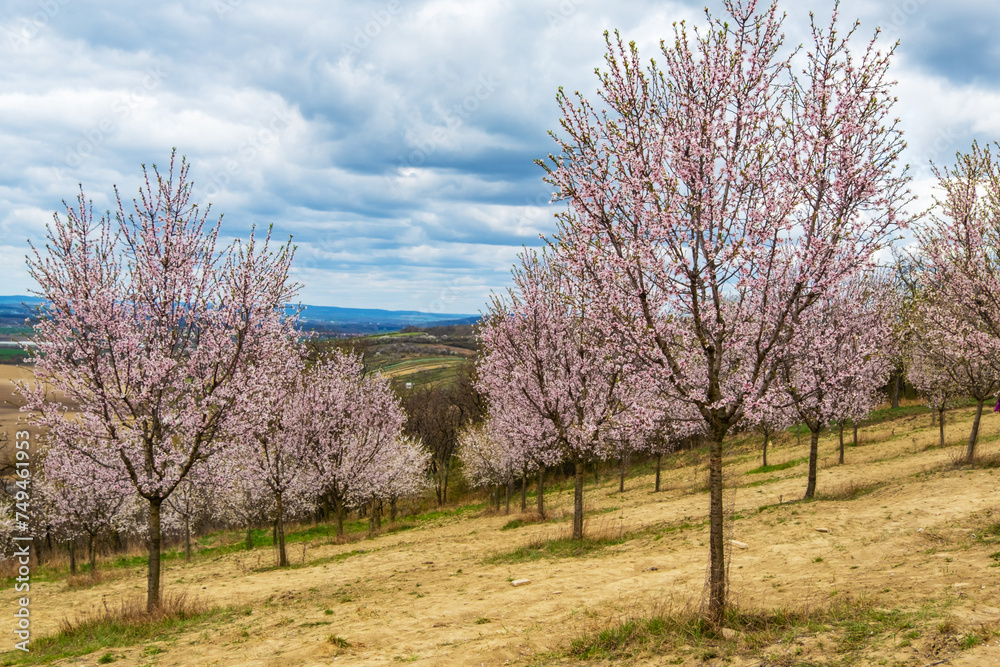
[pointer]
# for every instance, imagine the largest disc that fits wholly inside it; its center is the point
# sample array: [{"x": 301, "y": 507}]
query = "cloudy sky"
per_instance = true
[{"x": 394, "y": 140}]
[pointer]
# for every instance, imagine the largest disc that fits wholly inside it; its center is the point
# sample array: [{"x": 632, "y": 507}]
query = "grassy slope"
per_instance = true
[{"x": 865, "y": 616}]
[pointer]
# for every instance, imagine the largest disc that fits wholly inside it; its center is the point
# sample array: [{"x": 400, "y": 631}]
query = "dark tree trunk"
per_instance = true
[
  {"x": 622, "y": 465},
  {"x": 187, "y": 538},
  {"x": 716, "y": 534},
  {"x": 855, "y": 433},
  {"x": 941, "y": 427},
  {"x": 524, "y": 489},
  {"x": 153, "y": 543},
  {"x": 72, "y": 556},
  {"x": 444, "y": 485},
  {"x": 767, "y": 436},
  {"x": 813, "y": 460},
  {"x": 659, "y": 459},
  {"x": 338, "y": 508},
  {"x": 249, "y": 537},
  {"x": 371, "y": 518},
  {"x": 279, "y": 528},
  {"x": 92, "y": 552},
  {"x": 840, "y": 434},
  {"x": 392, "y": 510},
  {"x": 578, "y": 501},
  {"x": 597, "y": 473},
  {"x": 970, "y": 453},
  {"x": 541, "y": 490},
  {"x": 510, "y": 483},
  {"x": 896, "y": 385}
]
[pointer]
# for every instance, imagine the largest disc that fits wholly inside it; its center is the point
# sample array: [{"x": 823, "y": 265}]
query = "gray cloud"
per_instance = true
[{"x": 394, "y": 140}]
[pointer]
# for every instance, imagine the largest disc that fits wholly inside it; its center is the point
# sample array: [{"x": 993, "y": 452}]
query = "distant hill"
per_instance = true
[
  {"x": 372, "y": 320},
  {"x": 14, "y": 310}
]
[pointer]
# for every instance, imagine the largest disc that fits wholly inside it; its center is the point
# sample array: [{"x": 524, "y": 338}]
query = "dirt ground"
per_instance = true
[{"x": 425, "y": 595}]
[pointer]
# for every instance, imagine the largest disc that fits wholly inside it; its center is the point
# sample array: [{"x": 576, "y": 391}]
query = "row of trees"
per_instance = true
[
  {"x": 716, "y": 269},
  {"x": 187, "y": 389},
  {"x": 723, "y": 213}
]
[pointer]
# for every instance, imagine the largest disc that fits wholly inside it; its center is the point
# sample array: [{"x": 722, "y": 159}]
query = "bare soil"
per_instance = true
[{"x": 425, "y": 595}]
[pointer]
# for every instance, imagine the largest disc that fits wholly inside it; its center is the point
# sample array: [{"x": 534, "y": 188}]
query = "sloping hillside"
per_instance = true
[{"x": 895, "y": 562}]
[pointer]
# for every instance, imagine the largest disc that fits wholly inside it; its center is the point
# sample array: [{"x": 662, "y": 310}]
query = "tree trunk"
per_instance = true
[
  {"x": 813, "y": 460},
  {"x": 855, "y": 433},
  {"x": 970, "y": 453},
  {"x": 541, "y": 489},
  {"x": 279, "y": 527},
  {"x": 597, "y": 473},
  {"x": 895, "y": 389},
  {"x": 153, "y": 542},
  {"x": 92, "y": 552},
  {"x": 578, "y": 502},
  {"x": 444, "y": 486},
  {"x": 524, "y": 489},
  {"x": 392, "y": 510},
  {"x": 338, "y": 508},
  {"x": 840, "y": 434},
  {"x": 510, "y": 483},
  {"x": 659, "y": 458},
  {"x": 767, "y": 436},
  {"x": 621, "y": 475},
  {"x": 249, "y": 537},
  {"x": 187, "y": 538},
  {"x": 378, "y": 509},
  {"x": 717, "y": 547},
  {"x": 941, "y": 427},
  {"x": 72, "y": 557}
]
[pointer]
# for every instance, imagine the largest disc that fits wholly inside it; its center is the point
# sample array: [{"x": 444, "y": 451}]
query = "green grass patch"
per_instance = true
[
  {"x": 119, "y": 626},
  {"x": 514, "y": 523},
  {"x": 851, "y": 491},
  {"x": 436, "y": 515},
  {"x": 777, "y": 466},
  {"x": 556, "y": 549},
  {"x": 853, "y": 624}
]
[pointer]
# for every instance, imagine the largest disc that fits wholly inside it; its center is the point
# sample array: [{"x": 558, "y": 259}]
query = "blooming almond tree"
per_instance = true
[
  {"x": 552, "y": 372},
  {"x": 960, "y": 248},
  {"x": 148, "y": 327},
  {"x": 344, "y": 424},
  {"x": 84, "y": 499},
  {"x": 487, "y": 460},
  {"x": 837, "y": 361},
  {"x": 693, "y": 186},
  {"x": 929, "y": 368},
  {"x": 269, "y": 456}
]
